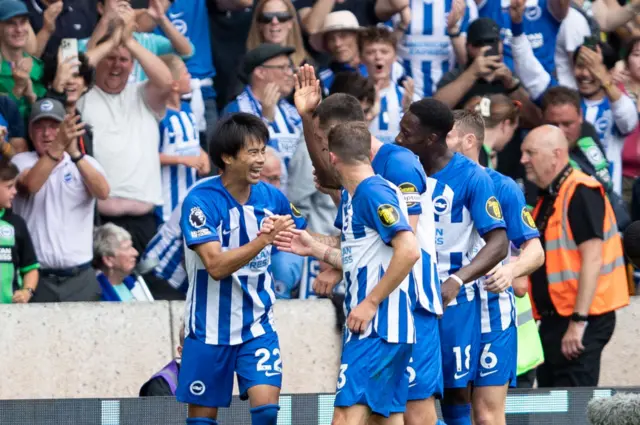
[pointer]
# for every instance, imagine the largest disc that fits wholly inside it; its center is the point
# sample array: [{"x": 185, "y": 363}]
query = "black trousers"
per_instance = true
[{"x": 584, "y": 371}]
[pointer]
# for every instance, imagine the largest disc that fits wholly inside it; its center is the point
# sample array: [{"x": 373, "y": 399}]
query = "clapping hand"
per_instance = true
[
  {"x": 307, "y": 94},
  {"x": 269, "y": 100},
  {"x": 409, "y": 92},
  {"x": 128, "y": 16},
  {"x": 21, "y": 73},
  {"x": 458, "y": 7},
  {"x": 50, "y": 16},
  {"x": 67, "y": 138}
]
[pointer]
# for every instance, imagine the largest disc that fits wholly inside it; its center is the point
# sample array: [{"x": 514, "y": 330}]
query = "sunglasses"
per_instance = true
[{"x": 267, "y": 18}]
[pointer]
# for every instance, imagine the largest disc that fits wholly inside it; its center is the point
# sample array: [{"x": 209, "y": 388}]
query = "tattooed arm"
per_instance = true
[{"x": 331, "y": 241}]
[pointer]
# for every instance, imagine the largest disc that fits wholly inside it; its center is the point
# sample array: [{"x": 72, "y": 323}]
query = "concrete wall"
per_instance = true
[{"x": 110, "y": 349}]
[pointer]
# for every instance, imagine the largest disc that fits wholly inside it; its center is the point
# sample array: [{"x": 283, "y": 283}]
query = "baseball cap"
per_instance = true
[
  {"x": 12, "y": 8},
  {"x": 263, "y": 53},
  {"x": 47, "y": 108},
  {"x": 483, "y": 31}
]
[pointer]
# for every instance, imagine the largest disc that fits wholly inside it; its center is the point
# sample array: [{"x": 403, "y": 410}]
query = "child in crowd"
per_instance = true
[
  {"x": 18, "y": 261},
  {"x": 181, "y": 156}
]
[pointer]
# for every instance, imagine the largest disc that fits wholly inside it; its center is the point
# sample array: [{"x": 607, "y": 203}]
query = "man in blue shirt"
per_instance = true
[{"x": 229, "y": 315}]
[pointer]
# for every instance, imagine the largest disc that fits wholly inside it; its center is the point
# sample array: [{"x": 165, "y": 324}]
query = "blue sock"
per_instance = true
[
  {"x": 201, "y": 421},
  {"x": 265, "y": 415},
  {"x": 457, "y": 414},
  {"x": 440, "y": 422}
]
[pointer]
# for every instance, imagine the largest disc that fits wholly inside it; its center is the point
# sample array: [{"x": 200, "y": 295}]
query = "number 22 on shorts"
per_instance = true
[{"x": 264, "y": 356}]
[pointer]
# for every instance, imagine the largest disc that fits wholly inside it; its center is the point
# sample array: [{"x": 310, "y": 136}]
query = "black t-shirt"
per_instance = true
[
  {"x": 78, "y": 19},
  {"x": 480, "y": 88},
  {"x": 17, "y": 255},
  {"x": 586, "y": 218}
]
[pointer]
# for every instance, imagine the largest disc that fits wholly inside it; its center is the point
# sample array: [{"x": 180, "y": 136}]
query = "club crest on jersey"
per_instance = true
[
  {"x": 441, "y": 205},
  {"x": 197, "y": 388},
  {"x": 528, "y": 219},
  {"x": 294, "y": 210},
  {"x": 410, "y": 192},
  {"x": 197, "y": 218},
  {"x": 388, "y": 215},
  {"x": 493, "y": 208}
]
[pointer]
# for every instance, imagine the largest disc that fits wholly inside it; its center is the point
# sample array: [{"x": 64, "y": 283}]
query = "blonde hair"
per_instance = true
[
  {"x": 294, "y": 38},
  {"x": 173, "y": 63}
]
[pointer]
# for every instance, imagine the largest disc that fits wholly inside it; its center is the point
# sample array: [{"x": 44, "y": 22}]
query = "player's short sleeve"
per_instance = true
[
  {"x": 378, "y": 207},
  {"x": 199, "y": 220},
  {"x": 406, "y": 172},
  {"x": 287, "y": 208},
  {"x": 520, "y": 224},
  {"x": 483, "y": 204}
]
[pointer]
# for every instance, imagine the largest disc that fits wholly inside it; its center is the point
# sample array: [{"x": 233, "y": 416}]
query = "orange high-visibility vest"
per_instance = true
[{"x": 562, "y": 258}]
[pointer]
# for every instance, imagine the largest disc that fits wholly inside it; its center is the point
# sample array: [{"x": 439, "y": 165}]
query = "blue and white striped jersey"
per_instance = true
[
  {"x": 179, "y": 136},
  {"x": 237, "y": 308},
  {"x": 386, "y": 125},
  {"x": 466, "y": 208},
  {"x": 369, "y": 220},
  {"x": 402, "y": 167},
  {"x": 539, "y": 25},
  {"x": 498, "y": 311},
  {"x": 284, "y": 132},
  {"x": 426, "y": 50}
]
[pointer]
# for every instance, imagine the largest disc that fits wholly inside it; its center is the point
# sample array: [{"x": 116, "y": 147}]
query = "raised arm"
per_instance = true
[
  {"x": 307, "y": 97},
  {"x": 312, "y": 18},
  {"x": 385, "y": 9},
  {"x": 180, "y": 43},
  {"x": 49, "y": 18}
]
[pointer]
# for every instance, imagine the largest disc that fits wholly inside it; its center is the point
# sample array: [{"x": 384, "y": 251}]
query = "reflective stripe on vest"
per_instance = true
[
  {"x": 530, "y": 352},
  {"x": 563, "y": 260}
]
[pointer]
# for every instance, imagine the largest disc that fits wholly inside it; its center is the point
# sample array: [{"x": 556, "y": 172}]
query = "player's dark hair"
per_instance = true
[
  {"x": 232, "y": 134},
  {"x": 631, "y": 242},
  {"x": 469, "y": 122},
  {"x": 434, "y": 116},
  {"x": 559, "y": 95},
  {"x": 350, "y": 82},
  {"x": 8, "y": 170},
  {"x": 351, "y": 142},
  {"x": 339, "y": 108}
]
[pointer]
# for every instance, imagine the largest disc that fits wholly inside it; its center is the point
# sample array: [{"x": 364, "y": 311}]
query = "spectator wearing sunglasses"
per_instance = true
[
  {"x": 268, "y": 71},
  {"x": 274, "y": 22}
]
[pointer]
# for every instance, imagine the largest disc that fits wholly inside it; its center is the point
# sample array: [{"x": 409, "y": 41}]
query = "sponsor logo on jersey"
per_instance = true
[
  {"x": 410, "y": 192},
  {"x": 388, "y": 215},
  {"x": 528, "y": 219},
  {"x": 295, "y": 211},
  {"x": 493, "y": 208}
]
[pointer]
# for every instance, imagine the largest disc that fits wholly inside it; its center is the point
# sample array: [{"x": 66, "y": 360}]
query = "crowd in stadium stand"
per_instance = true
[{"x": 107, "y": 108}]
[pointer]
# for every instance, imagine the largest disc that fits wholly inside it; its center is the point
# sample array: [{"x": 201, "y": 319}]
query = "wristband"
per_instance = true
[
  {"x": 30, "y": 290},
  {"x": 577, "y": 317},
  {"x": 457, "y": 279},
  {"x": 514, "y": 88},
  {"x": 516, "y": 29},
  {"x": 78, "y": 158},
  {"x": 53, "y": 157},
  {"x": 455, "y": 34}
]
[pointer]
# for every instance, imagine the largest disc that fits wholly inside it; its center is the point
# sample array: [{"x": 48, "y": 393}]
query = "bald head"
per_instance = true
[
  {"x": 545, "y": 153},
  {"x": 272, "y": 168}
]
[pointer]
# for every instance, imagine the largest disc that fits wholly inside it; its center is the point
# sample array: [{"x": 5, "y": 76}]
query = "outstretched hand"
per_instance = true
[
  {"x": 273, "y": 225},
  {"x": 296, "y": 241},
  {"x": 308, "y": 95}
]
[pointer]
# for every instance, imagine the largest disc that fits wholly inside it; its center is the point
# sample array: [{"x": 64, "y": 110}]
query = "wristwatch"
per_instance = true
[
  {"x": 577, "y": 317},
  {"x": 31, "y": 291},
  {"x": 77, "y": 158}
]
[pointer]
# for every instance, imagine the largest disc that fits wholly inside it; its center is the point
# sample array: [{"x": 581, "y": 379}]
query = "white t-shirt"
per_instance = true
[
  {"x": 125, "y": 141},
  {"x": 573, "y": 30},
  {"x": 60, "y": 215}
]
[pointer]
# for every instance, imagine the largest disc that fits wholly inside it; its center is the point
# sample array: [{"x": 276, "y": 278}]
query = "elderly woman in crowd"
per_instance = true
[{"x": 115, "y": 258}]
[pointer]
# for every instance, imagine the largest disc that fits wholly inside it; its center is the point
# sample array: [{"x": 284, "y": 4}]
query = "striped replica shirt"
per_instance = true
[
  {"x": 386, "y": 125},
  {"x": 426, "y": 49},
  {"x": 498, "y": 311},
  {"x": 369, "y": 220},
  {"x": 237, "y": 308},
  {"x": 179, "y": 136},
  {"x": 466, "y": 208}
]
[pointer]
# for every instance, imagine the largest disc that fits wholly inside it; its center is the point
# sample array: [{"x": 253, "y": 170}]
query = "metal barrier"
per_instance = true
[{"x": 524, "y": 407}]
